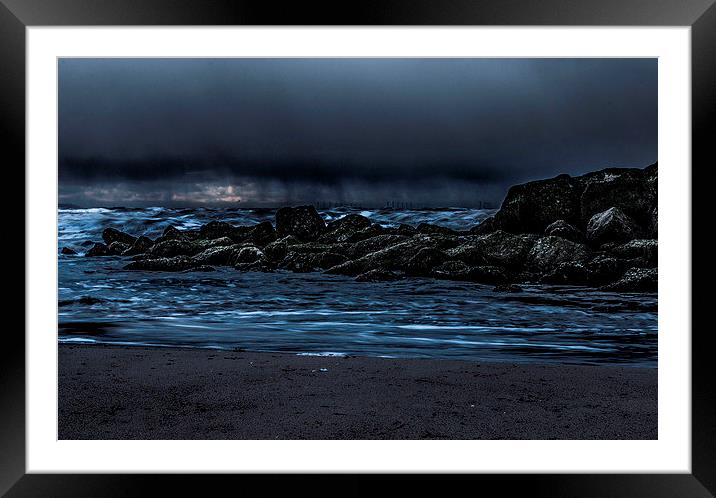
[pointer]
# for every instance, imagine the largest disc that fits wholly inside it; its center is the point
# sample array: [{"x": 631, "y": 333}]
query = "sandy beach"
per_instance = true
[{"x": 116, "y": 392}]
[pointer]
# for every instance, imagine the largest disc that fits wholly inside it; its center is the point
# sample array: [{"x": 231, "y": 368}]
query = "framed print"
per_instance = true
[{"x": 419, "y": 239}]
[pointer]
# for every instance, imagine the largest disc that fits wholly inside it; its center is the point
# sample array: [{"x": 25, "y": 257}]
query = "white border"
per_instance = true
[{"x": 670, "y": 453}]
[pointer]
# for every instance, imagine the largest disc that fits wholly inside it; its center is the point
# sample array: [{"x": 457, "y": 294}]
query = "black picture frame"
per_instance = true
[{"x": 16, "y": 15}]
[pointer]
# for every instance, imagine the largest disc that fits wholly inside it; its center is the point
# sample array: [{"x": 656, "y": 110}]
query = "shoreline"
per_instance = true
[{"x": 144, "y": 392}]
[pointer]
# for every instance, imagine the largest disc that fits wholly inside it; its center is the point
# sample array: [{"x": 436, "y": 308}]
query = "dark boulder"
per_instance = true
[
  {"x": 261, "y": 265},
  {"x": 98, "y": 249},
  {"x": 636, "y": 280},
  {"x": 248, "y": 254},
  {"x": 507, "y": 288},
  {"x": 204, "y": 268},
  {"x": 219, "y": 255},
  {"x": 328, "y": 260},
  {"x": 424, "y": 261},
  {"x": 373, "y": 244},
  {"x": 378, "y": 275},
  {"x": 261, "y": 234},
  {"x": 549, "y": 252},
  {"x": 404, "y": 229},
  {"x": 303, "y": 222},
  {"x": 491, "y": 275},
  {"x": 428, "y": 228},
  {"x": 217, "y": 229},
  {"x": 170, "y": 248},
  {"x": 568, "y": 273},
  {"x": 299, "y": 262},
  {"x": 140, "y": 246},
  {"x": 484, "y": 227},
  {"x": 372, "y": 231},
  {"x": 604, "y": 269},
  {"x": 497, "y": 248},
  {"x": 170, "y": 233},
  {"x": 644, "y": 249},
  {"x": 631, "y": 190},
  {"x": 275, "y": 251},
  {"x": 345, "y": 228},
  {"x": 117, "y": 247},
  {"x": 451, "y": 270},
  {"x": 612, "y": 225},
  {"x": 533, "y": 206},
  {"x": 174, "y": 264},
  {"x": 110, "y": 235},
  {"x": 561, "y": 228},
  {"x": 68, "y": 251},
  {"x": 307, "y": 262}
]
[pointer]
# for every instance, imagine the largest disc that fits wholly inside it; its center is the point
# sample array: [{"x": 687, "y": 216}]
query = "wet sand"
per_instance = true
[{"x": 117, "y": 392}]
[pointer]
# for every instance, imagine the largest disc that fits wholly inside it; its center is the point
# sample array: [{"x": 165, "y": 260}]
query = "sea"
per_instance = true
[{"x": 319, "y": 314}]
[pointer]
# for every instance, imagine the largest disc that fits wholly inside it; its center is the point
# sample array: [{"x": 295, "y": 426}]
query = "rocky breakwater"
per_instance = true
[{"x": 597, "y": 230}]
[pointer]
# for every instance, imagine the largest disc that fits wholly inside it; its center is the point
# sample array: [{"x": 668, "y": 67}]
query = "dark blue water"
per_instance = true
[{"x": 327, "y": 314}]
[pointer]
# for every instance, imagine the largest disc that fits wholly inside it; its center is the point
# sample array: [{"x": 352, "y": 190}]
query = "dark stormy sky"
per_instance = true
[{"x": 434, "y": 132}]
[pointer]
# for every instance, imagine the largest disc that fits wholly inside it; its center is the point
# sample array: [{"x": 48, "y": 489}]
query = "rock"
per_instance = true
[
  {"x": 549, "y": 252},
  {"x": 261, "y": 265},
  {"x": 219, "y": 255},
  {"x": 645, "y": 249},
  {"x": 200, "y": 268},
  {"x": 394, "y": 257},
  {"x": 328, "y": 260},
  {"x": 317, "y": 247},
  {"x": 170, "y": 248},
  {"x": 404, "y": 229},
  {"x": 248, "y": 254},
  {"x": 117, "y": 247},
  {"x": 373, "y": 244},
  {"x": 428, "y": 228},
  {"x": 533, "y": 206},
  {"x": 110, "y": 235},
  {"x": 568, "y": 273},
  {"x": 611, "y": 225},
  {"x": 372, "y": 231},
  {"x": 561, "y": 228},
  {"x": 497, "y": 248},
  {"x": 275, "y": 251},
  {"x": 171, "y": 232},
  {"x": 451, "y": 270},
  {"x": 261, "y": 234},
  {"x": 604, "y": 269},
  {"x": 491, "y": 275},
  {"x": 343, "y": 229},
  {"x": 507, "y": 288},
  {"x": 636, "y": 280},
  {"x": 307, "y": 262},
  {"x": 98, "y": 249},
  {"x": 299, "y": 262},
  {"x": 140, "y": 246},
  {"x": 173, "y": 264},
  {"x": 304, "y": 222},
  {"x": 377, "y": 275},
  {"x": 424, "y": 261},
  {"x": 630, "y": 190},
  {"x": 484, "y": 227},
  {"x": 217, "y": 229},
  {"x": 654, "y": 224},
  {"x": 68, "y": 251}
]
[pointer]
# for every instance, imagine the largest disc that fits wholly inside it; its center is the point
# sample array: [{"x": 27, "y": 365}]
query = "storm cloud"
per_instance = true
[{"x": 366, "y": 131}]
